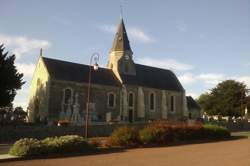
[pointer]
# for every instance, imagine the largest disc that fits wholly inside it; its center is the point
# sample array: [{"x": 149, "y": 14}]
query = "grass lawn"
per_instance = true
[{"x": 243, "y": 133}]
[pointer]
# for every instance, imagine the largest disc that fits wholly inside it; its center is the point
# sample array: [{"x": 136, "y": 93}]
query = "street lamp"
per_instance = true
[{"x": 94, "y": 56}]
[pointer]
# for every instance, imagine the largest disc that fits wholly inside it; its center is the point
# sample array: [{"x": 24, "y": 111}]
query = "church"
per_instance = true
[{"x": 123, "y": 92}]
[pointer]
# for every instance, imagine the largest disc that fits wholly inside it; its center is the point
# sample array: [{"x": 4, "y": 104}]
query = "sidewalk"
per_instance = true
[{"x": 6, "y": 157}]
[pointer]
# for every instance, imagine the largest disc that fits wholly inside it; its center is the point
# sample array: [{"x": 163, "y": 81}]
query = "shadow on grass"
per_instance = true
[{"x": 109, "y": 150}]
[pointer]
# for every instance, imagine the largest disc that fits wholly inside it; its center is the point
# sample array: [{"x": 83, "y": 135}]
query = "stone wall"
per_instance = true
[
  {"x": 98, "y": 95},
  {"x": 13, "y": 133},
  {"x": 38, "y": 93}
]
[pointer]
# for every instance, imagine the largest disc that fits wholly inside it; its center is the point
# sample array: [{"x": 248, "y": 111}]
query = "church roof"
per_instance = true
[
  {"x": 68, "y": 71},
  {"x": 146, "y": 76},
  {"x": 153, "y": 77},
  {"x": 121, "y": 42},
  {"x": 191, "y": 103}
]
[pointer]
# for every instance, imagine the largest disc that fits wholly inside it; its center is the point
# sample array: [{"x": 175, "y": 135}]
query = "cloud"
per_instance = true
[
  {"x": 107, "y": 28},
  {"x": 187, "y": 78},
  {"x": 211, "y": 78},
  {"x": 165, "y": 63},
  {"x": 194, "y": 95},
  {"x": 138, "y": 34},
  {"x": 134, "y": 33},
  {"x": 244, "y": 79},
  {"x": 22, "y": 45},
  {"x": 182, "y": 27},
  {"x": 26, "y": 68}
]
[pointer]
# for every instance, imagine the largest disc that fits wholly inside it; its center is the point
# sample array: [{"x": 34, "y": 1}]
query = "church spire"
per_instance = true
[{"x": 121, "y": 42}]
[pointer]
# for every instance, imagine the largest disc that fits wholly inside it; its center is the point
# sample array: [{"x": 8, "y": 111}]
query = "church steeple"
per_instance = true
[
  {"x": 120, "y": 56},
  {"x": 121, "y": 42}
]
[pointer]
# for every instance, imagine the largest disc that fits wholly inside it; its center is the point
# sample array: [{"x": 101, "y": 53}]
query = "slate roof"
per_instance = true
[
  {"x": 192, "y": 104},
  {"x": 153, "y": 77},
  {"x": 121, "y": 42},
  {"x": 146, "y": 76},
  {"x": 68, "y": 71}
]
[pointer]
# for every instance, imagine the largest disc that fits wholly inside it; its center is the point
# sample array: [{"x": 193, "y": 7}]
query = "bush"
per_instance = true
[
  {"x": 124, "y": 136},
  {"x": 216, "y": 132},
  {"x": 52, "y": 145},
  {"x": 65, "y": 144},
  {"x": 26, "y": 147},
  {"x": 165, "y": 132},
  {"x": 150, "y": 134}
]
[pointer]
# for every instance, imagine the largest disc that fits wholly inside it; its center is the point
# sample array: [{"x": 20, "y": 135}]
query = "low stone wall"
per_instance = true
[
  {"x": 13, "y": 133},
  {"x": 239, "y": 126}
]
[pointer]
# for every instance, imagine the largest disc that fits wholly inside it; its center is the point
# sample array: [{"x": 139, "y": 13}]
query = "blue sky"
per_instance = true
[{"x": 202, "y": 41}]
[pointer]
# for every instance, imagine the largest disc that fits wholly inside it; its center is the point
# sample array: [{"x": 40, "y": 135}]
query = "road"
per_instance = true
[{"x": 229, "y": 153}]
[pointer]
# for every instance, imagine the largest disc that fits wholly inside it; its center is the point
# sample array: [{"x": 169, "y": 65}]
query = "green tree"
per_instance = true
[
  {"x": 225, "y": 99},
  {"x": 10, "y": 79},
  {"x": 19, "y": 114}
]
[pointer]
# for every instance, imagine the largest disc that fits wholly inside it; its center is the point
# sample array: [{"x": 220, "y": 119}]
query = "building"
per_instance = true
[
  {"x": 122, "y": 92},
  {"x": 193, "y": 109}
]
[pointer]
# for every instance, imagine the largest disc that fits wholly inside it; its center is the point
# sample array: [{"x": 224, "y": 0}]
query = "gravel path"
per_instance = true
[{"x": 228, "y": 153}]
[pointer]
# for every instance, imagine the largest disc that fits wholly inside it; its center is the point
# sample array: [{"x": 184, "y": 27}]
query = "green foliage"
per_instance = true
[
  {"x": 26, "y": 147},
  {"x": 165, "y": 133},
  {"x": 10, "y": 116},
  {"x": 216, "y": 132},
  {"x": 124, "y": 136},
  {"x": 52, "y": 145},
  {"x": 151, "y": 134},
  {"x": 225, "y": 99},
  {"x": 10, "y": 80}
]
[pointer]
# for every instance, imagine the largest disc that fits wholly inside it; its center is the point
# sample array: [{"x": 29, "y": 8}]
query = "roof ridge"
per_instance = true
[
  {"x": 75, "y": 63},
  {"x": 153, "y": 67}
]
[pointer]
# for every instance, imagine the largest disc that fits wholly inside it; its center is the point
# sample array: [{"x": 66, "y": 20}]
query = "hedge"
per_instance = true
[
  {"x": 49, "y": 146},
  {"x": 165, "y": 133}
]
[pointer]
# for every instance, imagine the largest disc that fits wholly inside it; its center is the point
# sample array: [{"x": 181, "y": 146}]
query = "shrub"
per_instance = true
[
  {"x": 166, "y": 132},
  {"x": 51, "y": 145},
  {"x": 65, "y": 144},
  {"x": 215, "y": 132},
  {"x": 26, "y": 147},
  {"x": 124, "y": 136},
  {"x": 151, "y": 134}
]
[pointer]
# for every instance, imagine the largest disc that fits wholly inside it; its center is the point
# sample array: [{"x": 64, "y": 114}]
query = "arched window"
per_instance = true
[
  {"x": 67, "y": 96},
  {"x": 131, "y": 99},
  {"x": 111, "y": 100},
  {"x": 152, "y": 101}
]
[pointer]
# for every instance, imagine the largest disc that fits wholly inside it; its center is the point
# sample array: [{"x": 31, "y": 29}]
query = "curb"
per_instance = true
[{"x": 6, "y": 158}]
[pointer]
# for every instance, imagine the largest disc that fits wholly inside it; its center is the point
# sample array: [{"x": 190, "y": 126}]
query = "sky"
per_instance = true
[{"x": 203, "y": 41}]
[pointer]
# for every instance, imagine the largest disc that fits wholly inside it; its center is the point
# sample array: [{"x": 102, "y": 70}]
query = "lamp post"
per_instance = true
[{"x": 94, "y": 56}]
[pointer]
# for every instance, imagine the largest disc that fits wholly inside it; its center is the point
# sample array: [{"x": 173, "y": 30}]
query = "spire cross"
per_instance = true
[{"x": 121, "y": 10}]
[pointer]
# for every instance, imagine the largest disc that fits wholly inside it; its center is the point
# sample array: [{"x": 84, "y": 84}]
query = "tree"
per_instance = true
[
  {"x": 225, "y": 99},
  {"x": 19, "y": 114},
  {"x": 10, "y": 79}
]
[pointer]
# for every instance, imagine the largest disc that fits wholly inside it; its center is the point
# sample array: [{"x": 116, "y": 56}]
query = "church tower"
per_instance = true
[{"x": 120, "y": 57}]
